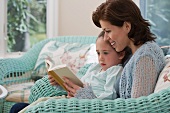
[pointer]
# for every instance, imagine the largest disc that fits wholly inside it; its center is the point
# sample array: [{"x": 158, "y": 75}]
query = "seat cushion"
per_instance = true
[{"x": 19, "y": 92}]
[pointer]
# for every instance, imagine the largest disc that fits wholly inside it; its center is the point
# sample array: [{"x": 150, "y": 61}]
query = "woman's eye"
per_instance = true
[
  {"x": 108, "y": 31},
  {"x": 98, "y": 53}
]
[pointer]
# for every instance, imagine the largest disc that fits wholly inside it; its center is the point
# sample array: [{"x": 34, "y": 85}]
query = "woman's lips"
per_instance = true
[{"x": 112, "y": 43}]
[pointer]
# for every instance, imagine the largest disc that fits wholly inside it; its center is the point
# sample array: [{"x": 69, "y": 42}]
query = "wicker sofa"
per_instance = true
[{"x": 17, "y": 67}]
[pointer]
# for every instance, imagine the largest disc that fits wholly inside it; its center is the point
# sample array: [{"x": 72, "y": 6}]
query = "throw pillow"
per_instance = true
[
  {"x": 19, "y": 92},
  {"x": 164, "y": 77},
  {"x": 75, "y": 55}
]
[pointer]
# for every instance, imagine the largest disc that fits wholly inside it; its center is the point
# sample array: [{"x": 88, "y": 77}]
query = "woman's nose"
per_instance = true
[{"x": 106, "y": 38}]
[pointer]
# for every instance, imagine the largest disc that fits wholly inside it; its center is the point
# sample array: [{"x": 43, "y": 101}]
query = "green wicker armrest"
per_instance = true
[
  {"x": 154, "y": 103},
  {"x": 16, "y": 67},
  {"x": 42, "y": 88}
]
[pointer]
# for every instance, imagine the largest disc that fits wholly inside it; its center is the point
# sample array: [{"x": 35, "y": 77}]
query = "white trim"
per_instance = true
[
  {"x": 3, "y": 27},
  {"x": 52, "y": 18},
  {"x": 3, "y": 92}
]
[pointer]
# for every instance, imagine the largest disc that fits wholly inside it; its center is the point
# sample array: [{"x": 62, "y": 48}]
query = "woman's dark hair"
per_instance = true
[
  {"x": 127, "y": 50},
  {"x": 128, "y": 54},
  {"x": 119, "y": 11},
  {"x": 101, "y": 35}
]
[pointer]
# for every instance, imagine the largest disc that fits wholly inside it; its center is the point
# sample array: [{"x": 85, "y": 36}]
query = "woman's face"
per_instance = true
[{"x": 117, "y": 36}]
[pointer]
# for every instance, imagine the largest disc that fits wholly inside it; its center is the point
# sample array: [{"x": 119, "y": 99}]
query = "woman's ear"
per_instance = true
[
  {"x": 121, "y": 55},
  {"x": 127, "y": 26}
]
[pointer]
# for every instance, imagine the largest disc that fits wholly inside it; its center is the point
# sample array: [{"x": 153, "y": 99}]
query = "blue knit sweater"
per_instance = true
[{"x": 140, "y": 74}]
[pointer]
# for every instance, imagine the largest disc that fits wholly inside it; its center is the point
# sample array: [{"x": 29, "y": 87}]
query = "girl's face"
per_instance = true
[
  {"x": 107, "y": 56},
  {"x": 117, "y": 36}
]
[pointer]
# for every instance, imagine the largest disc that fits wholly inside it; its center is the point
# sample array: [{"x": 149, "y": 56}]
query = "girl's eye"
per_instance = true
[
  {"x": 105, "y": 53},
  {"x": 98, "y": 53}
]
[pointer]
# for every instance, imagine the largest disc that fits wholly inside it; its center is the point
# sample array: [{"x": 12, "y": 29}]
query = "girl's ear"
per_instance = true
[{"x": 121, "y": 55}]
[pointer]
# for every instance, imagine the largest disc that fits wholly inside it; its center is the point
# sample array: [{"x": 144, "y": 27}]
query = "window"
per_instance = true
[
  {"x": 158, "y": 14},
  {"x": 26, "y": 24},
  {"x": 50, "y": 30}
]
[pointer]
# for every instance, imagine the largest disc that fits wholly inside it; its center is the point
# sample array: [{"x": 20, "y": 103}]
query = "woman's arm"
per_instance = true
[{"x": 145, "y": 77}]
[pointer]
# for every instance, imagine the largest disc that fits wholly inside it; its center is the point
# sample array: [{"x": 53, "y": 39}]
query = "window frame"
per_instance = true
[
  {"x": 143, "y": 7},
  {"x": 51, "y": 24},
  {"x": 3, "y": 29}
]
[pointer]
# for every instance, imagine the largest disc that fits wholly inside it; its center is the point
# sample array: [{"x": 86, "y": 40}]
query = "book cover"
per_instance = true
[{"x": 58, "y": 71}]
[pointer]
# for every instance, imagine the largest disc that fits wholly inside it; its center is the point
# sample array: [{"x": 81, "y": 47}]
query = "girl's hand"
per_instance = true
[
  {"x": 69, "y": 95},
  {"x": 52, "y": 81},
  {"x": 71, "y": 87}
]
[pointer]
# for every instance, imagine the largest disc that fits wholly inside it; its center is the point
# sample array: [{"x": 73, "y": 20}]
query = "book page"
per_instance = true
[
  {"x": 63, "y": 70},
  {"x": 59, "y": 71},
  {"x": 51, "y": 63}
]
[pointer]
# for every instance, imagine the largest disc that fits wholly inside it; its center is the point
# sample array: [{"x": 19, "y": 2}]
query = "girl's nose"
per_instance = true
[{"x": 101, "y": 57}]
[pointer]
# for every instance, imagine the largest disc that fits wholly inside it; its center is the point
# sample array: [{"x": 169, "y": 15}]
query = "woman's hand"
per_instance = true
[
  {"x": 52, "y": 81},
  {"x": 71, "y": 87}
]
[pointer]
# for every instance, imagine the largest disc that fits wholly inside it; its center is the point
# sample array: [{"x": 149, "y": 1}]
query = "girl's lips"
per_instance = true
[{"x": 103, "y": 64}]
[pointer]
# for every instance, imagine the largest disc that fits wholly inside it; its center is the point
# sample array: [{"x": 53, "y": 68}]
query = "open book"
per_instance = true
[{"x": 58, "y": 71}]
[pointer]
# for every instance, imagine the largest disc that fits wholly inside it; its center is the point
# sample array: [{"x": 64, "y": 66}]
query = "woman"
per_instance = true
[{"x": 124, "y": 26}]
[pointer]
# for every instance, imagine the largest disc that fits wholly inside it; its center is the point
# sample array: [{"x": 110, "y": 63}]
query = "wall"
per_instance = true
[{"x": 75, "y": 17}]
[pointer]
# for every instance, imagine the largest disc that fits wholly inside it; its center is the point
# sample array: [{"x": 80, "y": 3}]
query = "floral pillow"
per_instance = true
[
  {"x": 75, "y": 55},
  {"x": 164, "y": 77}
]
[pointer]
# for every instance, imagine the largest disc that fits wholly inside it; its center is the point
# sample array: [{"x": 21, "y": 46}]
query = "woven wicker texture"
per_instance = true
[
  {"x": 7, "y": 106},
  {"x": 13, "y": 70},
  {"x": 154, "y": 103},
  {"x": 42, "y": 88}
]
